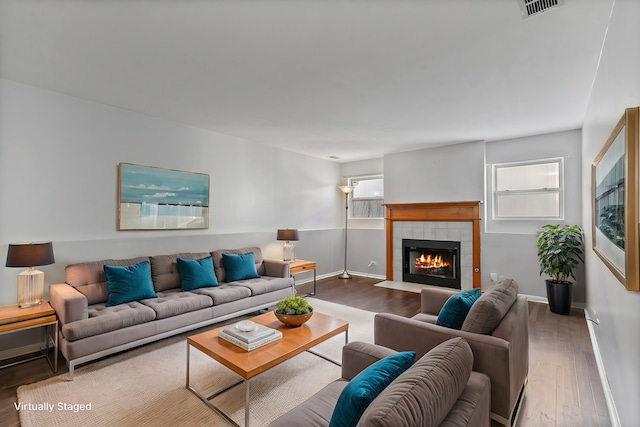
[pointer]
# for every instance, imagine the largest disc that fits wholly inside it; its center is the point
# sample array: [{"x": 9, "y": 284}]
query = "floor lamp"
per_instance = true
[{"x": 346, "y": 189}]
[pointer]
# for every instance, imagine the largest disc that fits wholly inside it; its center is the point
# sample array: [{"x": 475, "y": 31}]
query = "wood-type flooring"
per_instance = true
[{"x": 564, "y": 388}]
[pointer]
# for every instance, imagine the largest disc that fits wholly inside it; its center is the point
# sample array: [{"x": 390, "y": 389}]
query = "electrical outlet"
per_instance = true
[
  {"x": 372, "y": 263},
  {"x": 494, "y": 277}
]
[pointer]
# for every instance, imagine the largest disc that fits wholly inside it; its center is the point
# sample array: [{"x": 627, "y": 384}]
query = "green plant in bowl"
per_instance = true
[
  {"x": 293, "y": 310},
  {"x": 293, "y": 305}
]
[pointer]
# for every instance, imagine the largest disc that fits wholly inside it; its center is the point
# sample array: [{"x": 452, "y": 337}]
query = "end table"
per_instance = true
[
  {"x": 299, "y": 266},
  {"x": 14, "y": 319}
]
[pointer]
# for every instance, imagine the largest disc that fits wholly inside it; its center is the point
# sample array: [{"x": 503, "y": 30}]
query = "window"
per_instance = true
[
  {"x": 367, "y": 197},
  {"x": 528, "y": 190}
]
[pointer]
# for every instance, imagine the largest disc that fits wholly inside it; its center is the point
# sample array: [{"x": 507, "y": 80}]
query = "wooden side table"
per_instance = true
[
  {"x": 299, "y": 266},
  {"x": 14, "y": 319}
]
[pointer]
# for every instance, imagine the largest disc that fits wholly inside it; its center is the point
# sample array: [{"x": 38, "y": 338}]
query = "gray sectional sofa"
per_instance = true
[{"x": 90, "y": 329}]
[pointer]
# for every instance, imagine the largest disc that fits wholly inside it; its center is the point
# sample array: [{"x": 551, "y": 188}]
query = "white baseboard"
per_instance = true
[
  {"x": 543, "y": 300},
  {"x": 608, "y": 395}
]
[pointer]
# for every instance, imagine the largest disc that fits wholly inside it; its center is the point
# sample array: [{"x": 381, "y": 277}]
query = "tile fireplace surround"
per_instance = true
[{"x": 449, "y": 221}]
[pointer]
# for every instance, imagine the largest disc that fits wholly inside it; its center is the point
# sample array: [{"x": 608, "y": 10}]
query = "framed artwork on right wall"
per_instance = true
[{"x": 614, "y": 183}]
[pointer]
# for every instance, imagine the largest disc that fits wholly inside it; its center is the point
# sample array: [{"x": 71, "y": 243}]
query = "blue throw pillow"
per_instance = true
[
  {"x": 128, "y": 283},
  {"x": 240, "y": 266},
  {"x": 196, "y": 273},
  {"x": 366, "y": 386},
  {"x": 455, "y": 310}
]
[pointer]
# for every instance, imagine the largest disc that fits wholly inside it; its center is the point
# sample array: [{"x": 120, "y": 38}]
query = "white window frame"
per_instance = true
[
  {"x": 350, "y": 181},
  {"x": 559, "y": 190}
]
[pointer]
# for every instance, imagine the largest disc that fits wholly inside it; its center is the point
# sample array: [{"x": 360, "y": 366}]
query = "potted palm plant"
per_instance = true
[{"x": 560, "y": 252}]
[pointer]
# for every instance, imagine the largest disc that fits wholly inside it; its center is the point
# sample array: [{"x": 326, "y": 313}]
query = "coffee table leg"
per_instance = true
[
  {"x": 188, "y": 358},
  {"x": 246, "y": 402}
]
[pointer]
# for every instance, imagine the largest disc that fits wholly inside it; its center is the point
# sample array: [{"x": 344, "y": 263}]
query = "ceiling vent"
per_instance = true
[{"x": 531, "y": 8}]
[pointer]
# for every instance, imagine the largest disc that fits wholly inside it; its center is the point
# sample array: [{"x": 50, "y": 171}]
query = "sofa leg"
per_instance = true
[
  {"x": 502, "y": 420},
  {"x": 71, "y": 366},
  {"x": 516, "y": 410}
]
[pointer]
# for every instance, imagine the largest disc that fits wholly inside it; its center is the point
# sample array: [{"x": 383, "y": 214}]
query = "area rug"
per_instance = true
[
  {"x": 146, "y": 386},
  {"x": 402, "y": 286}
]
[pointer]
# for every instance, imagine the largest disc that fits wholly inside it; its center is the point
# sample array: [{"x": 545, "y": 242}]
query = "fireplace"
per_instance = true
[{"x": 431, "y": 262}]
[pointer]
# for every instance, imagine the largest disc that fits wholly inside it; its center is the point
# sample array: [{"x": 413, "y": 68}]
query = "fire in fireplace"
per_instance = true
[{"x": 431, "y": 262}]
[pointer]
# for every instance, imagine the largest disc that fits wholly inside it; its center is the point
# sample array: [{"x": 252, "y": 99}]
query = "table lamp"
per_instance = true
[
  {"x": 30, "y": 281},
  {"x": 289, "y": 249}
]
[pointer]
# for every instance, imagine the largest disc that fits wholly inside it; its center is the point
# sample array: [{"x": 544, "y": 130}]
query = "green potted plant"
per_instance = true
[
  {"x": 560, "y": 252},
  {"x": 293, "y": 310}
]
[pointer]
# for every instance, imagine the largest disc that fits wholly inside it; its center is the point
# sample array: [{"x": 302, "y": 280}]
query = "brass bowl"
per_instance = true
[{"x": 293, "y": 320}]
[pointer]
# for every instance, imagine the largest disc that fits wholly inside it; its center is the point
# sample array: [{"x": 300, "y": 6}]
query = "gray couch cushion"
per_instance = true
[
  {"x": 88, "y": 277},
  {"x": 218, "y": 264},
  {"x": 315, "y": 411},
  {"x": 425, "y": 393},
  {"x": 172, "y": 303},
  {"x": 487, "y": 312},
  {"x": 264, "y": 284},
  {"x": 425, "y": 317},
  {"x": 474, "y": 404},
  {"x": 224, "y": 293},
  {"x": 104, "y": 319},
  {"x": 164, "y": 269}
]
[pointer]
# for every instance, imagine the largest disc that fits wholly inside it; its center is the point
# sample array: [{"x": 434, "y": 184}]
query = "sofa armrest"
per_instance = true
[
  {"x": 492, "y": 355},
  {"x": 276, "y": 268},
  {"x": 356, "y": 356},
  {"x": 70, "y": 305},
  {"x": 432, "y": 299}
]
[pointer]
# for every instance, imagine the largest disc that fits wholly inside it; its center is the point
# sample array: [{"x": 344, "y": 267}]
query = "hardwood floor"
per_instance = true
[{"x": 564, "y": 388}]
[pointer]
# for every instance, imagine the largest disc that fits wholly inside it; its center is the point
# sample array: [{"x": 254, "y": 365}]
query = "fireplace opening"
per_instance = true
[{"x": 431, "y": 262}]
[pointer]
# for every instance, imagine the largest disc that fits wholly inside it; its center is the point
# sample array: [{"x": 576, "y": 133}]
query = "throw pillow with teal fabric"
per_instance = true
[
  {"x": 196, "y": 273},
  {"x": 240, "y": 266},
  {"x": 128, "y": 283},
  {"x": 366, "y": 386},
  {"x": 455, "y": 310}
]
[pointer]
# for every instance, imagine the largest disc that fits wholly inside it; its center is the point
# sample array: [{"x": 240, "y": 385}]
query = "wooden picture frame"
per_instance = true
[
  {"x": 151, "y": 198},
  {"x": 614, "y": 184}
]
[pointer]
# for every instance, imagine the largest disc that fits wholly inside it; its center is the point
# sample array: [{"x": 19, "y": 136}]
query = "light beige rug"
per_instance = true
[{"x": 146, "y": 386}]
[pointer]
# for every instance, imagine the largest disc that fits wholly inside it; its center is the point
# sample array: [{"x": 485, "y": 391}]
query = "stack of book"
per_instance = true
[{"x": 250, "y": 340}]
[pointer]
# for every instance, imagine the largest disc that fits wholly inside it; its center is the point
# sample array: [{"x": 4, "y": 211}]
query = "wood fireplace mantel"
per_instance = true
[{"x": 435, "y": 211}]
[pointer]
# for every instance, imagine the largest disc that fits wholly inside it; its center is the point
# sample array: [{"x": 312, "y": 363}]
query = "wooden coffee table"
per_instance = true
[{"x": 248, "y": 364}]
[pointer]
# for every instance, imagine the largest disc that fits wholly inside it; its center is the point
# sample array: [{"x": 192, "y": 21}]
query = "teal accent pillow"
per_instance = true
[
  {"x": 366, "y": 386},
  {"x": 240, "y": 266},
  {"x": 196, "y": 273},
  {"x": 455, "y": 310},
  {"x": 128, "y": 283}
]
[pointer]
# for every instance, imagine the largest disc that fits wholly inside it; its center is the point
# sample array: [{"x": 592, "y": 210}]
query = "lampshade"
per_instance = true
[
  {"x": 346, "y": 189},
  {"x": 288, "y": 235},
  {"x": 29, "y": 254}
]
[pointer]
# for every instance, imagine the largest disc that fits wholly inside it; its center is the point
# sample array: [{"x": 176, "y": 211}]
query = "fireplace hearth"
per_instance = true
[{"x": 431, "y": 262}]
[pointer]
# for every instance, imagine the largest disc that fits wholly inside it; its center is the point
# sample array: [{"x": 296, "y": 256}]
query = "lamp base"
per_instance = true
[
  {"x": 289, "y": 252},
  {"x": 344, "y": 275},
  {"x": 30, "y": 288},
  {"x": 29, "y": 304}
]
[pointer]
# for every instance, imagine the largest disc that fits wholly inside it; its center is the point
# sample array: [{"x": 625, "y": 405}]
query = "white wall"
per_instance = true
[
  {"x": 366, "y": 236},
  {"x": 509, "y": 247},
  {"x": 457, "y": 173},
  {"x": 616, "y": 87},
  {"x": 58, "y": 182},
  {"x": 441, "y": 174}
]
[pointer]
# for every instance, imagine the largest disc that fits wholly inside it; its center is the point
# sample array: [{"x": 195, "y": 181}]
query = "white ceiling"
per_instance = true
[{"x": 354, "y": 79}]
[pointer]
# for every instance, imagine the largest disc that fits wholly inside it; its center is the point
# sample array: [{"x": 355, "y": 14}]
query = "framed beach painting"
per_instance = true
[
  {"x": 151, "y": 198},
  {"x": 614, "y": 183}
]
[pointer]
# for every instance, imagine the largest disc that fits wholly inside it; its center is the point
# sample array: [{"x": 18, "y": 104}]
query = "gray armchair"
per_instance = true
[{"x": 496, "y": 329}]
